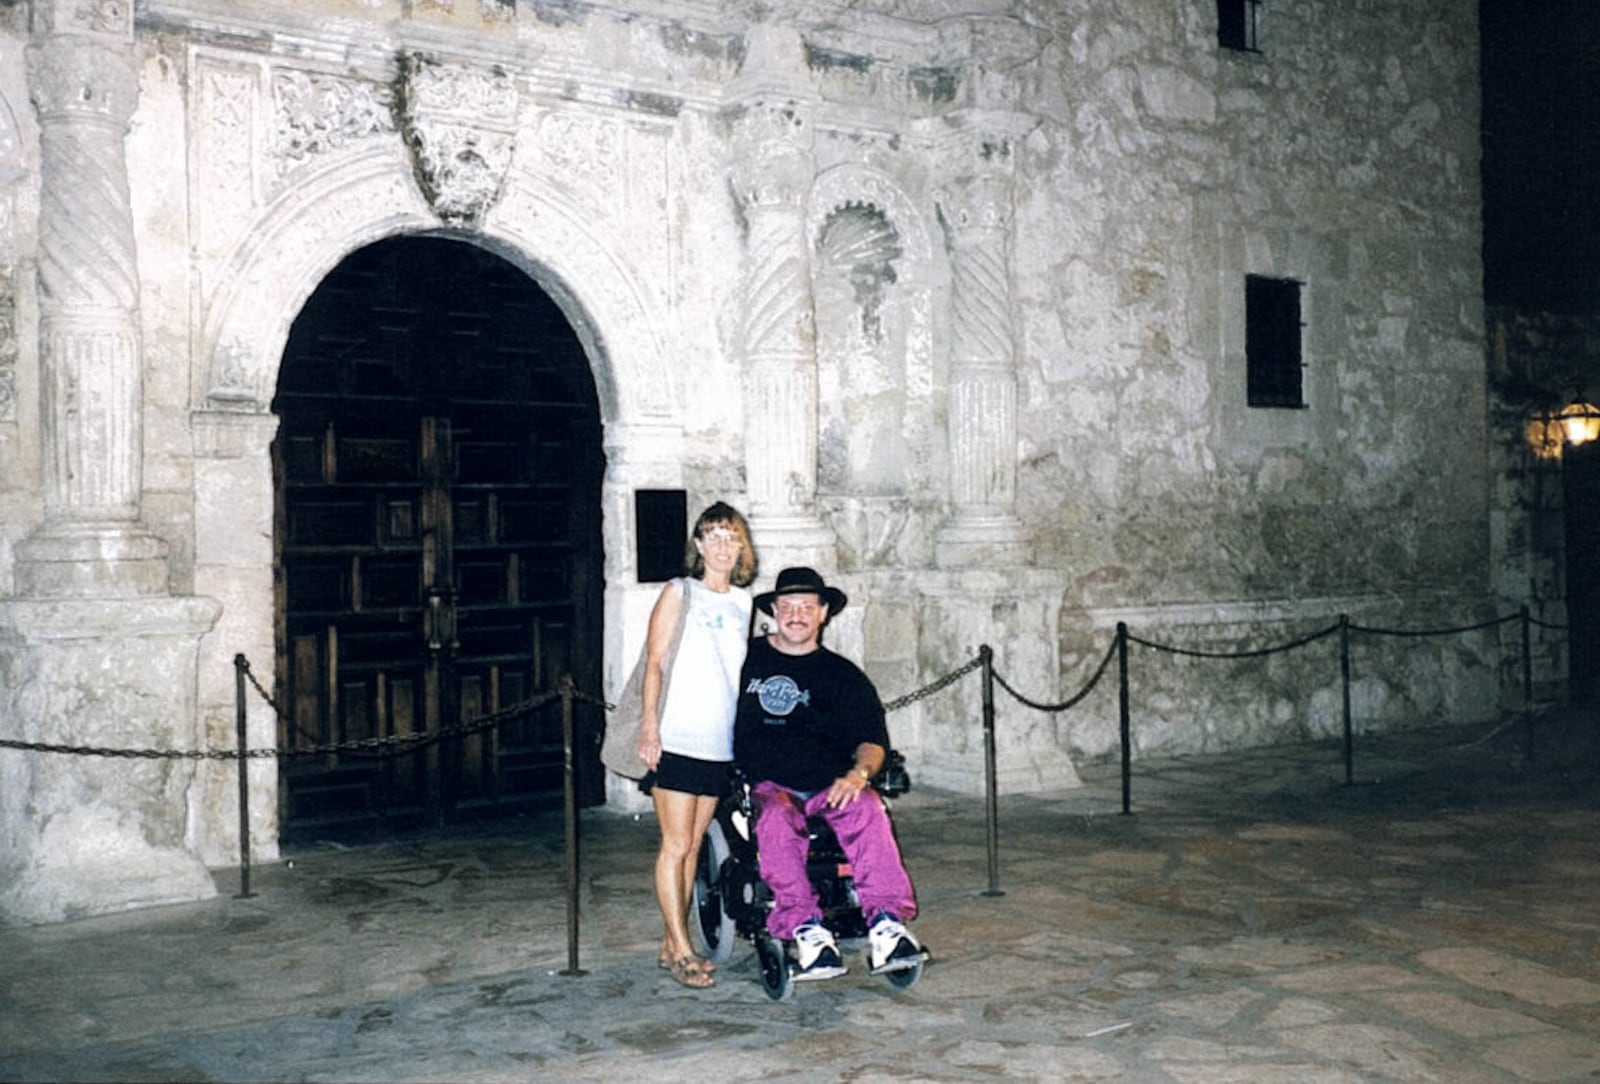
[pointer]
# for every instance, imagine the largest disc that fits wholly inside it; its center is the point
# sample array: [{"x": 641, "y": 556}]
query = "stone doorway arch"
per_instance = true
[
  {"x": 248, "y": 297},
  {"x": 436, "y": 537}
]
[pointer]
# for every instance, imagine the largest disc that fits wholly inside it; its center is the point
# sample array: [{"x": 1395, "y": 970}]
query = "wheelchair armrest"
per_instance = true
[{"x": 892, "y": 779}]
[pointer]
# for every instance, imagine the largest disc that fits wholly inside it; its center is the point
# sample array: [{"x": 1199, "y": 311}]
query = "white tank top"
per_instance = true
[{"x": 704, "y": 690}]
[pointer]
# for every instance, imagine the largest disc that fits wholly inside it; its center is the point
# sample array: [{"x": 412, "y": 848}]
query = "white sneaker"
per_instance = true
[
  {"x": 815, "y": 953},
  {"x": 890, "y": 946}
]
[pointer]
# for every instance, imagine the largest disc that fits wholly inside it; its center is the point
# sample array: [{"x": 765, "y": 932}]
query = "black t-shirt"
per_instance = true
[{"x": 801, "y": 716}]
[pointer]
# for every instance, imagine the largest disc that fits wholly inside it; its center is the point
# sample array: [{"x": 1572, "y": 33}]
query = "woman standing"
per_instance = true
[{"x": 688, "y": 741}]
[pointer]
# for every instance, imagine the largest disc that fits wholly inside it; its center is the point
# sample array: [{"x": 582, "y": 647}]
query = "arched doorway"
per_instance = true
[{"x": 437, "y": 473}]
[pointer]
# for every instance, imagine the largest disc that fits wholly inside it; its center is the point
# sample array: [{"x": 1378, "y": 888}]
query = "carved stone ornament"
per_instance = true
[
  {"x": 460, "y": 124},
  {"x": 773, "y": 161},
  {"x": 82, "y": 79},
  {"x": 105, "y": 17},
  {"x": 314, "y": 113},
  {"x": 9, "y": 348}
]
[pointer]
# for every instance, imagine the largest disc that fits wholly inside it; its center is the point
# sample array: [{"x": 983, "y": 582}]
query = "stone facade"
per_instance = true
[
  {"x": 963, "y": 290},
  {"x": 1539, "y": 362}
]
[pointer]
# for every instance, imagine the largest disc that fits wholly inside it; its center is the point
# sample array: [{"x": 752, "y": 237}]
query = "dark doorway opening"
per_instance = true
[
  {"x": 1581, "y": 483},
  {"x": 437, "y": 531}
]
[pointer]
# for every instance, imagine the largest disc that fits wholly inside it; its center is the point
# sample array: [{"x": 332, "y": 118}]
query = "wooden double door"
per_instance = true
[{"x": 437, "y": 531}]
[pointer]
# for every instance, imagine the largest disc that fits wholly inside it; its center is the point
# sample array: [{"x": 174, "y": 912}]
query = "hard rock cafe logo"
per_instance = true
[{"x": 778, "y": 695}]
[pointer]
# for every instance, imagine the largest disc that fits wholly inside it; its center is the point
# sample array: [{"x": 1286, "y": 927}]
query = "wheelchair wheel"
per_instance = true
[
  {"x": 777, "y": 982},
  {"x": 906, "y": 977},
  {"x": 717, "y": 932}
]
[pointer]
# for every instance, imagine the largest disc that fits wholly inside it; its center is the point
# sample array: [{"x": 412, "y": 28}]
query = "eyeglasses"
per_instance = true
[
  {"x": 798, "y": 608},
  {"x": 721, "y": 538}
]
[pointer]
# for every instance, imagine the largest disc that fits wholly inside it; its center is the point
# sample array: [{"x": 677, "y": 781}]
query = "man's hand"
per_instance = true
[
  {"x": 846, "y": 789},
  {"x": 868, "y": 762}
]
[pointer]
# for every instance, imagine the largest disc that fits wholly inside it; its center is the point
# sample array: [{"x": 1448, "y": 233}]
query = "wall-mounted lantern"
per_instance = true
[{"x": 1550, "y": 431}]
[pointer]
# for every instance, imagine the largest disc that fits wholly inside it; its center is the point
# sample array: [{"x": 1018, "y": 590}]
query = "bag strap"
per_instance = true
[{"x": 683, "y": 584}]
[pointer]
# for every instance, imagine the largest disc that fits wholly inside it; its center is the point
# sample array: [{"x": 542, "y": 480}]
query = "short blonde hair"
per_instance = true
[{"x": 723, "y": 515}]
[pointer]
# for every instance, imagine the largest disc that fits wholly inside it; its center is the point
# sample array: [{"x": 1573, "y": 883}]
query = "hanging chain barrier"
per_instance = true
[
  {"x": 392, "y": 745},
  {"x": 568, "y": 694},
  {"x": 1344, "y": 628}
]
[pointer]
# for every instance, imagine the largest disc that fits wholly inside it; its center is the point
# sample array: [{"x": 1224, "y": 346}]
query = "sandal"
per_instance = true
[
  {"x": 700, "y": 963},
  {"x": 688, "y": 972}
]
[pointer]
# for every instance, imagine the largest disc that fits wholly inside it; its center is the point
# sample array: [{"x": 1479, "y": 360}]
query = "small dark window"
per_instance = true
[
  {"x": 1272, "y": 342},
  {"x": 1236, "y": 24},
  {"x": 661, "y": 528}
]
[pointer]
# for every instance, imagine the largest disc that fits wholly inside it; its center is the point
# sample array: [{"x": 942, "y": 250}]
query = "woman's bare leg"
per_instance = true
[
  {"x": 704, "y": 809},
  {"x": 677, "y": 814}
]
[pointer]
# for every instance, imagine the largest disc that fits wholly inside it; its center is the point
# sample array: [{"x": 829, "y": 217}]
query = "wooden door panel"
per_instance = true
[
  {"x": 389, "y": 582},
  {"x": 405, "y": 773},
  {"x": 474, "y": 780},
  {"x": 438, "y": 468}
]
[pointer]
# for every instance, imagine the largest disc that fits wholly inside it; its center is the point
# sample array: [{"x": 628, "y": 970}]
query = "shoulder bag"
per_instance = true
[{"x": 620, "y": 749}]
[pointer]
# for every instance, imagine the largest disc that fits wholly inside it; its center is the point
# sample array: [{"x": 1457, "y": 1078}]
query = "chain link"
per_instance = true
[
  {"x": 131, "y": 754},
  {"x": 1071, "y": 701},
  {"x": 393, "y": 744},
  {"x": 590, "y": 698},
  {"x": 407, "y": 742},
  {"x": 401, "y": 743},
  {"x": 1489, "y": 624},
  {"x": 1257, "y": 653},
  {"x": 244, "y": 664},
  {"x": 928, "y": 690}
]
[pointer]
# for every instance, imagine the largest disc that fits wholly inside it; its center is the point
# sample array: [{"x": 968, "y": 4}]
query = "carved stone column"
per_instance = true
[
  {"x": 84, "y": 85},
  {"x": 983, "y": 528},
  {"x": 773, "y": 167},
  {"x": 93, "y": 651}
]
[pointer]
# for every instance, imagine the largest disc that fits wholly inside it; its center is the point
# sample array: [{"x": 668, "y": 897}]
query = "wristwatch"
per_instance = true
[{"x": 866, "y": 776}]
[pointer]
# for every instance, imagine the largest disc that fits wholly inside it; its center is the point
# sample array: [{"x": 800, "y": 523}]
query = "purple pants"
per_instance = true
[{"x": 865, "y": 835}]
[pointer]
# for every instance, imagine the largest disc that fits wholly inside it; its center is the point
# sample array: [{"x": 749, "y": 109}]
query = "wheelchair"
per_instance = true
[{"x": 731, "y": 901}]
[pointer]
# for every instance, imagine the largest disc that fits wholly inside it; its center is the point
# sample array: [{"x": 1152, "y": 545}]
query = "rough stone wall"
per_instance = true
[
  {"x": 1538, "y": 361},
  {"x": 1136, "y": 173},
  {"x": 1344, "y": 155}
]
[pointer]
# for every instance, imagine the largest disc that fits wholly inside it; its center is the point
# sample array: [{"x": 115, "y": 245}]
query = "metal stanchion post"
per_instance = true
[
  {"x": 1344, "y": 670},
  {"x": 568, "y": 745},
  {"x": 991, "y": 776},
  {"x": 1125, "y": 727},
  {"x": 240, "y": 666}
]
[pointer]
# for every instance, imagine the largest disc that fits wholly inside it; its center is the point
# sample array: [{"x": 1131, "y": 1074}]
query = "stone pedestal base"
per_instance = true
[
  {"x": 88, "y": 835},
  {"x": 982, "y": 542},
  {"x": 785, "y": 541},
  {"x": 1036, "y": 769},
  {"x": 90, "y": 562},
  {"x": 1015, "y": 612},
  {"x": 97, "y": 861}
]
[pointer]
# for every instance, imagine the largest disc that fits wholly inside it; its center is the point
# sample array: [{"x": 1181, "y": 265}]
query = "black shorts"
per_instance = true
[{"x": 707, "y": 778}]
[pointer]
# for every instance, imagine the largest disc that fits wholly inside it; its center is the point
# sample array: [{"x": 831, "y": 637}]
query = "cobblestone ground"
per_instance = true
[{"x": 1254, "y": 919}]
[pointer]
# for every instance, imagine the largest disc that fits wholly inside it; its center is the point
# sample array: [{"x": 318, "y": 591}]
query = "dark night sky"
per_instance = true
[{"x": 1541, "y": 165}]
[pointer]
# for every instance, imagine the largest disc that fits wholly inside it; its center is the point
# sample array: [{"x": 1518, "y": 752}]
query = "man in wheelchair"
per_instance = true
[{"x": 810, "y": 736}]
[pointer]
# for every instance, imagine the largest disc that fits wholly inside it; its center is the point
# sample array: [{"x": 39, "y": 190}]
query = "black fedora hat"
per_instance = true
[{"x": 802, "y": 581}]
